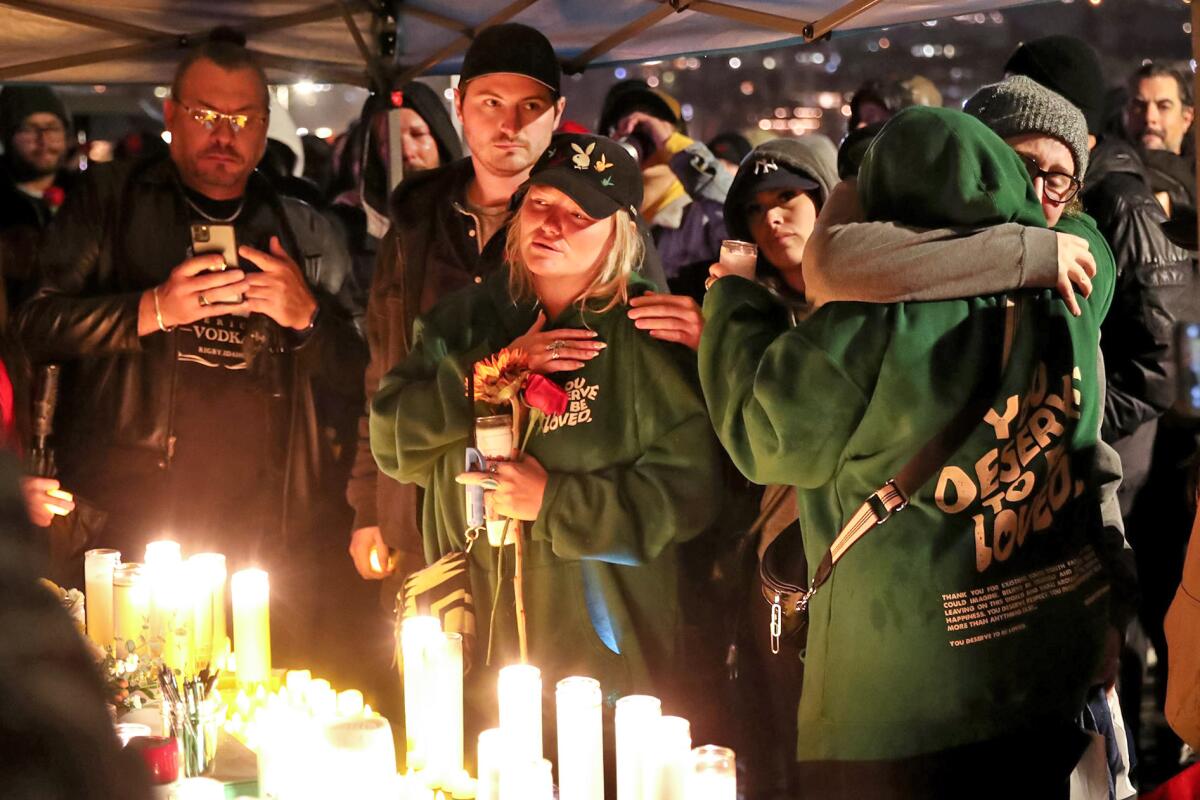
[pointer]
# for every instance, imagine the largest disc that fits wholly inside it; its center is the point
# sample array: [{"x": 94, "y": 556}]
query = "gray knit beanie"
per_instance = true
[{"x": 1018, "y": 105}]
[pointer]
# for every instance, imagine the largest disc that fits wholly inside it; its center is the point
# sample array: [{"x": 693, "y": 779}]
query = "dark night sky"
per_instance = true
[{"x": 1123, "y": 31}]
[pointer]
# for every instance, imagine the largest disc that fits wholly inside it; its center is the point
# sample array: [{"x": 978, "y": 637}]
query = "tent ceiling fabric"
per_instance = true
[{"x": 137, "y": 41}]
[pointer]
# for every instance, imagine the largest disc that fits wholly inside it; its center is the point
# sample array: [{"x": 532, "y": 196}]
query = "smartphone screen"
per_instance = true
[
  {"x": 221, "y": 239},
  {"x": 208, "y": 238}
]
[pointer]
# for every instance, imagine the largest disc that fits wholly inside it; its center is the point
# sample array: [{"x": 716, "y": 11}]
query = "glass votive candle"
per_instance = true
[{"x": 713, "y": 775}]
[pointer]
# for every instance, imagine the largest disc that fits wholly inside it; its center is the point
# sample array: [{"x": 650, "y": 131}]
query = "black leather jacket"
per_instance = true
[
  {"x": 1154, "y": 285},
  {"x": 121, "y": 232}
]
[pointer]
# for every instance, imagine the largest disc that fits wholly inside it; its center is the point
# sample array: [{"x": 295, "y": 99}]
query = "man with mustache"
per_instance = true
[
  {"x": 1160, "y": 108},
  {"x": 191, "y": 410}
]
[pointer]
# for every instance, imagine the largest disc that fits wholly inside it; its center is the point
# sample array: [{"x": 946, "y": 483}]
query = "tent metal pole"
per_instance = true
[
  {"x": 371, "y": 62},
  {"x": 760, "y": 18},
  {"x": 463, "y": 42},
  {"x": 167, "y": 41},
  {"x": 639, "y": 25},
  {"x": 83, "y": 59},
  {"x": 839, "y": 17},
  {"x": 86, "y": 20}
]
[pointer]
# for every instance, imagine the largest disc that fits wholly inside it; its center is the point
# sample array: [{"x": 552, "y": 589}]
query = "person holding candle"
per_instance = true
[{"x": 607, "y": 490}]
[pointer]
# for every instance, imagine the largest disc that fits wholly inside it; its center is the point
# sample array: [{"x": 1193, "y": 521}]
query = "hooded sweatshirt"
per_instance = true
[
  {"x": 632, "y": 473},
  {"x": 978, "y": 610},
  {"x": 813, "y": 156}
]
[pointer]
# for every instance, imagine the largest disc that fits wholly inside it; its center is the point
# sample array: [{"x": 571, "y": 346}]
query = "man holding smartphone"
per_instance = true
[{"x": 190, "y": 412}]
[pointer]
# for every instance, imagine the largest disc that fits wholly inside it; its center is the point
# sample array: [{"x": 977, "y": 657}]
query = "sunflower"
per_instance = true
[{"x": 499, "y": 378}]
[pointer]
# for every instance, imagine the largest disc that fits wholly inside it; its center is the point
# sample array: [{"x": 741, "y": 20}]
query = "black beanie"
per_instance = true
[
  {"x": 1068, "y": 66},
  {"x": 18, "y": 102}
]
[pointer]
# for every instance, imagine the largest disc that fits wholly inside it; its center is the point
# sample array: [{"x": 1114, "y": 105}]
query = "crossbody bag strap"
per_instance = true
[{"x": 893, "y": 496}]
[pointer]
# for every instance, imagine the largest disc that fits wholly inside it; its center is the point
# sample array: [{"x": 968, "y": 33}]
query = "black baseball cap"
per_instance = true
[
  {"x": 763, "y": 172},
  {"x": 594, "y": 171},
  {"x": 515, "y": 49},
  {"x": 631, "y": 95}
]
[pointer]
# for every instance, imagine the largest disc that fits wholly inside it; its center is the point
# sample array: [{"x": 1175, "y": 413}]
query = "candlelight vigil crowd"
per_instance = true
[{"x": 875, "y": 459}]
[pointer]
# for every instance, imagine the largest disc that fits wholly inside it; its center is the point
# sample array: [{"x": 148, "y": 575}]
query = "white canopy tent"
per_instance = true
[
  {"x": 350, "y": 41},
  {"x": 342, "y": 41}
]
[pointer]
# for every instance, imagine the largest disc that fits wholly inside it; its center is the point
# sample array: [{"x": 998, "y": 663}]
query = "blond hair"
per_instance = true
[{"x": 611, "y": 281}]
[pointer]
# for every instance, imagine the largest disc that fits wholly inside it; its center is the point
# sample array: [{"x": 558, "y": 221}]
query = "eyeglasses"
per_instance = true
[
  {"x": 42, "y": 131},
  {"x": 1059, "y": 187},
  {"x": 208, "y": 119}
]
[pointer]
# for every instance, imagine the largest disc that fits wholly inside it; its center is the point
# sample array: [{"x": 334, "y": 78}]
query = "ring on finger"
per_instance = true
[{"x": 204, "y": 300}]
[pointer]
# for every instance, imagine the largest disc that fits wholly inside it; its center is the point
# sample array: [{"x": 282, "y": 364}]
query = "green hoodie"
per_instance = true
[
  {"x": 980, "y": 608},
  {"x": 633, "y": 472}
]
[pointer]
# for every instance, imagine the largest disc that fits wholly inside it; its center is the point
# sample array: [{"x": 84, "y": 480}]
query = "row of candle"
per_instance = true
[
  {"x": 655, "y": 758},
  {"x": 314, "y": 742},
  {"x": 178, "y": 607}
]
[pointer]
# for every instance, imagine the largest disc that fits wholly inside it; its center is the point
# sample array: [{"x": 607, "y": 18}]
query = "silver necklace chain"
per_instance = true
[{"x": 219, "y": 220}]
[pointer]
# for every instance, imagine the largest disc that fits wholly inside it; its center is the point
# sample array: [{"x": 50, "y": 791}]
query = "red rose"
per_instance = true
[
  {"x": 54, "y": 196},
  {"x": 545, "y": 395}
]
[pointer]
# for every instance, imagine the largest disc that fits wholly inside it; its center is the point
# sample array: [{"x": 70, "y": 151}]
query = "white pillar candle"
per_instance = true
[
  {"x": 674, "y": 757},
  {"x": 494, "y": 437},
  {"x": 580, "y": 739},
  {"x": 162, "y": 561},
  {"x": 206, "y": 576},
  {"x": 527, "y": 780},
  {"x": 131, "y": 606},
  {"x": 713, "y": 775},
  {"x": 494, "y": 440},
  {"x": 98, "y": 568},
  {"x": 322, "y": 700},
  {"x": 490, "y": 758},
  {"x": 358, "y": 759},
  {"x": 350, "y": 703},
  {"x": 520, "y": 688},
  {"x": 296, "y": 682},
  {"x": 446, "y": 758},
  {"x": 636, "y": 721},
  {"x": 252, "y": 625},
  {"x": 200, "y": 789},
  {"x": 420, "y": 639}
]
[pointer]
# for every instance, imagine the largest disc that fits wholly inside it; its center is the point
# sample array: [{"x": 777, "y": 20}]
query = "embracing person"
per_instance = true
[{"x": 951, "y": 647}]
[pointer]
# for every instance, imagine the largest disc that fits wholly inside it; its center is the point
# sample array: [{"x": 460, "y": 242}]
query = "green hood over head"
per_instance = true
[{"x": 937, "y": 167}]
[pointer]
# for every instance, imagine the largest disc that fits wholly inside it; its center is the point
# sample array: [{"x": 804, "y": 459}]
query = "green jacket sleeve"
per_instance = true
[
  {"x": 785, "y": 401},
  {"x": 1104, "y": 282},
  {"x": 670, "y": 493},
  {"x": 420, "y": 411}
]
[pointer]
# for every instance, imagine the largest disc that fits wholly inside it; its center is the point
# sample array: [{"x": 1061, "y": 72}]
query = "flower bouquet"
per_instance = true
[{"x": 505, "y": 379}]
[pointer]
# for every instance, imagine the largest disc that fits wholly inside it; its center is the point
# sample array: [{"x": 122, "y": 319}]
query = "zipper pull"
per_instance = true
[
  {"x": 776, "y": 623},
  {"x": 731, "y": 662}
]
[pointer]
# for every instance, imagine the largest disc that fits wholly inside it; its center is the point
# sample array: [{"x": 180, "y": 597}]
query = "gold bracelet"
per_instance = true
[{"x": 158, "y": 313}]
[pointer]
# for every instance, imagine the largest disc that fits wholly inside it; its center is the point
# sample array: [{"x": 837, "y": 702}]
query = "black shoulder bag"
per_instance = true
[{"x": 790, "y": 600}]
